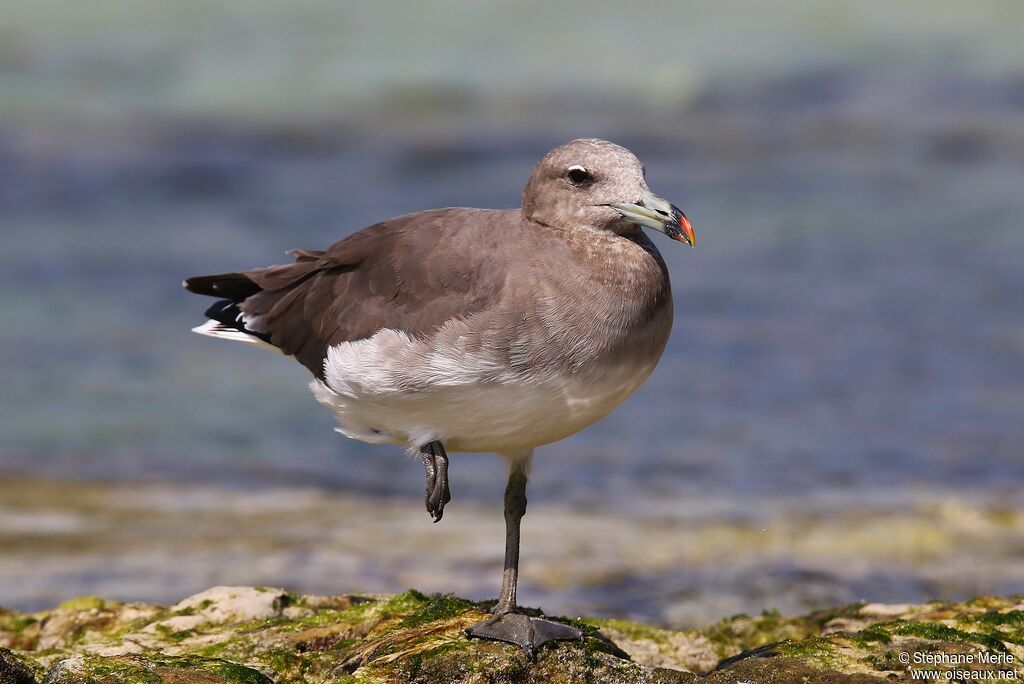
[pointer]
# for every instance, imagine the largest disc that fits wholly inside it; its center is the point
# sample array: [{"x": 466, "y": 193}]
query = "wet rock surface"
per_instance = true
[{"x": 256, "y": 635}]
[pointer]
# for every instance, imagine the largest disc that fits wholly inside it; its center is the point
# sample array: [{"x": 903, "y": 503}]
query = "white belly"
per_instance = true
[{"x": 460, "y": 399}]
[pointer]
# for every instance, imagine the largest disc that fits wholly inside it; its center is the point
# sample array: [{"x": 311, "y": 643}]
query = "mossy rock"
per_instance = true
[
  {"x": 16, "y": 669},
  {"x": 258, "y": 635},
  {"x": 151, "y": 669}
]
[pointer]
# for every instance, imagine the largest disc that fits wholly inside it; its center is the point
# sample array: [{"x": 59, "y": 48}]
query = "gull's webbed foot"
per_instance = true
[
  {"x": 528, "y": 633},
  {"x": 435, "y": 465}
]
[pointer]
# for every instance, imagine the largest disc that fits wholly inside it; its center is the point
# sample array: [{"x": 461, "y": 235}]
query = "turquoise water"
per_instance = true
[{"x": 849, "y": 329}]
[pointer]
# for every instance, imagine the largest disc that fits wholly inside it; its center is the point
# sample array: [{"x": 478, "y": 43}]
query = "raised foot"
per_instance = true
[
  {"x": 435, "y": 464},
  {"x": 528, "y": 633}
]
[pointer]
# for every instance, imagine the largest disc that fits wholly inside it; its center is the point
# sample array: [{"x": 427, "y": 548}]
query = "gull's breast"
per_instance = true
[{"x": 394, "y": 389}]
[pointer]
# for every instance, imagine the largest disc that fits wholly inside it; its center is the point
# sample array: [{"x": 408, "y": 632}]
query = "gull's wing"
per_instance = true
[{"x": 412, "y": 273}]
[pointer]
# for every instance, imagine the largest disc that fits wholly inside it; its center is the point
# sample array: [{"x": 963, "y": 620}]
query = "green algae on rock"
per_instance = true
[
  {"x": 151, "y": 669},
  {"x": 15, "y": 669},
  {"x": 244, "y": 635}
]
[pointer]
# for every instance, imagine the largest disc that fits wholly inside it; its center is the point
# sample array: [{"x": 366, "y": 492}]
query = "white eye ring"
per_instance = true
[{"x": 577, "y": 174}]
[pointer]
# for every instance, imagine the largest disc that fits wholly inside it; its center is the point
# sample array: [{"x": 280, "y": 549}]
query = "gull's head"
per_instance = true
[{"x": 595, "y": 183}]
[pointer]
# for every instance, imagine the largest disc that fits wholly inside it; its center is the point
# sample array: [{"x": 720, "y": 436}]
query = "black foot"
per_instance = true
[
  {"x": 524, "y": 631},
  {"x": 435, "y": 463}
]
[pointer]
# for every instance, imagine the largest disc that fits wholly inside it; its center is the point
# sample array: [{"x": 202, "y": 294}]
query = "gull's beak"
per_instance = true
[{"x": 660, "y": 214}]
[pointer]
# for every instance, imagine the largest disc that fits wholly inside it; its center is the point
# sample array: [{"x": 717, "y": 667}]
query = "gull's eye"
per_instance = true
[{"x": 577, "y": 175}]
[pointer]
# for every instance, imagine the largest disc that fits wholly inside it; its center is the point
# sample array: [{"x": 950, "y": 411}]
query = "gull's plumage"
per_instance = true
[
  {"x": 491, "y": 330},
  {"x": 477, "y": 329},
  {"x": 376, "y": 279}
]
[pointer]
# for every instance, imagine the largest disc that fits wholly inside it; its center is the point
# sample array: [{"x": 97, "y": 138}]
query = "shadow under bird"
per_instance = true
[{"x": 477, "y": 330}]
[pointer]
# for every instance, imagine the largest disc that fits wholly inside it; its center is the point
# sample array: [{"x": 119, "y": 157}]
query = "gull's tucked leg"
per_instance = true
[{"x": 435, "y": 465}]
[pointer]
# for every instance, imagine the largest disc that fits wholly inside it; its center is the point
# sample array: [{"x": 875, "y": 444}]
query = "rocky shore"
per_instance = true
[{"x": 256, "y": 635}]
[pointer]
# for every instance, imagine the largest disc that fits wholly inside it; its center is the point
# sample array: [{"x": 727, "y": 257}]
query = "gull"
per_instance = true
[{"x": 477, "y": 330}]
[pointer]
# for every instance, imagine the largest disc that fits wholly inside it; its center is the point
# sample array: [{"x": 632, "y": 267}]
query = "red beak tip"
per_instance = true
[{"x": 687, "y": 234}]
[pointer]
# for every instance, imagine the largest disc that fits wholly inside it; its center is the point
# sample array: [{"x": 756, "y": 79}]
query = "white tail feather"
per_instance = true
[{"x": 215, "y": 329}]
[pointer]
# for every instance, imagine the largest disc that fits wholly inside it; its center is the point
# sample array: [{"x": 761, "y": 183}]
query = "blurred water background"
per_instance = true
[{"x": 840, "y": 412}]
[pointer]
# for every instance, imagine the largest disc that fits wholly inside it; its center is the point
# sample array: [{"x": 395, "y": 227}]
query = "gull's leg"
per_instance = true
[
  {"x": 515, "y": 509},
  {"x": 508, "y": 624},
  {"x": 435, "y": 464}
]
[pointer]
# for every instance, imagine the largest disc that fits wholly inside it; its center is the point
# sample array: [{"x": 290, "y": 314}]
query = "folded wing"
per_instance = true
[{"x": 413, "y": 274}]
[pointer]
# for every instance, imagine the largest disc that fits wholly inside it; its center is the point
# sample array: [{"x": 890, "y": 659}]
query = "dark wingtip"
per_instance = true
[
  {"x": 236, "y": 286},
  {"x": 227, "y": 313},
  {"x": 203, "y": 285}
]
